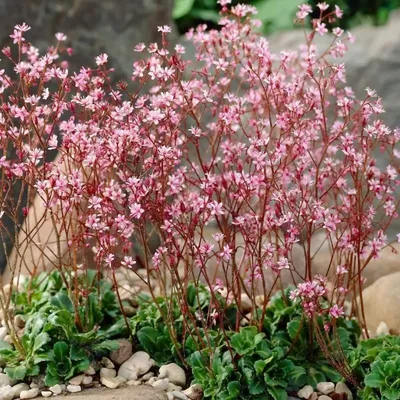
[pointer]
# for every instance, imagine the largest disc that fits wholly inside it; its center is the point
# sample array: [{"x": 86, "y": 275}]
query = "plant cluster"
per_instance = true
[
  {"x": 271, "y": 149},
  {"x": 52, "y": 342},
  {"x": 377, "y": 362}
]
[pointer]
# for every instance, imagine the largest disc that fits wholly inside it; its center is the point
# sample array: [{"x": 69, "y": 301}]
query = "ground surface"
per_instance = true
[{"x": 126, "y": 393}]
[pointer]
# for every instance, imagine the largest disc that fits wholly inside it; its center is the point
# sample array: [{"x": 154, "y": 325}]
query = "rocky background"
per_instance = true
[{"x": 114, "y": 27}]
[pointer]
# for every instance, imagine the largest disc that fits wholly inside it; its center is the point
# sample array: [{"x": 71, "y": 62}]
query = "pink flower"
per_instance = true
[
  {"x": 226, "y": 253},
  {"x": 101, "y": 59},
  {"x": 337, "y": 31},
  {"x": 321, "y": 28},
  {"x": 336, "y": 311},
  {"x": 224, "y": 3},
  {"x": 164, "y": 29},
  {"x": 139, "y": 47},
  {"x": 61, "y": 37},
  {"x": 323, "y": 6},
  {"x": 338, "y": 12},
  {"x": 304, "y": 10}
]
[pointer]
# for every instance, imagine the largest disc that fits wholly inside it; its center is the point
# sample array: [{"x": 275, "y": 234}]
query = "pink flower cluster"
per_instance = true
[{"x": 253, "y": 142}]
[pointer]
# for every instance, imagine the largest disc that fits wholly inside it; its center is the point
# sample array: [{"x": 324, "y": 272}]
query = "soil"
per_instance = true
[{"x": 126, "y": 393}]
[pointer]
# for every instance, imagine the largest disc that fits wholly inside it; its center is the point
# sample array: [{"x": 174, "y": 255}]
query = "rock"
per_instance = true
[
  {"x": 151, "y": 380},
  {"x": 4, "y": 380},
  {"x": 124, "y": 351},
  {"x": 161, "y": 385},
  {"x": 324, "y": 397},
  {"x": 341, "y": 388},
  {"x": 382, "y": 329},
  {"x": 29, "y": 394},
  {"x": 136, "y": 365},
  {"x": 147, "y": 376},
  {"x": 87, "y": 380},
  {"x": 170, "y": 396},
  {"x": 325, "y": 387},
  {"x": 56, "y": 389},
  {"x": 305, "y": 392},
  {"x": 19, "y": 321},
  {"x": 73, "y": 388},
  {"x": 179, "y": 395},
  {"x": 112, "y": 383},
  {"x": 3, "y": 332},
  {"x": 134, "y": 383},
  {"x": 314, "y": 396},
  {"x": 107, "y": 363},
  {"x": 173, "y": 388},
  {"x": 76, "y": 380},
  {"x": 33, "y": 385},
  {"x": 174, "y": 373},
  {"x": 7, "y": 393},
  {"x": 245, "y": 303},
  {"x": 8, "y": 339},
  {"x": 46, "y": 393},
  {"x": 194, "y": 392},
  {"x": 382, "y": 304},
  {"x": 107, "y": 373},
  {"x": 18, "y": 388},
  {"x": 90, "y": 371}
]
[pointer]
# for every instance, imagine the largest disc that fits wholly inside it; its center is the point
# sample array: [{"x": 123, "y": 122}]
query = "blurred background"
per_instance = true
[{"x": 116, "y": 26}]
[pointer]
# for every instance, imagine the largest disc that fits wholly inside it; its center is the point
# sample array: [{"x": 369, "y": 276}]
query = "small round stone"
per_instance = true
[
  {"x": 326, "y": 387},
  {"x": 73, "y": 388}
]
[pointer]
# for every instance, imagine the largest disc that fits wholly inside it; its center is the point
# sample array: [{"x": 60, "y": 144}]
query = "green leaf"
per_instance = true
[
  {"x": 259, "y": 366},
  {"x": 61, "y": 351},
  {"x": 293, "y": 328},
  {"x": 206, "y": 15},
  {"x": 182, "y": 8},
  {"x": 277, "y": 393},
  {"x": 148, "y": 338},
  {"x": 80, "y": 366},
  {"x": 374, "y": 380},
  {"x": 16, "y": 373},
  {"x": 77, "y": 353},
  {"x": 106, "y": 345},
  {"x": 62, "y": 300},
  {"x": 51, "y": 380},
  {"x": 234, "y": 389},
  {"x": 279, "y": 17},
  {"x": 40, "y": 341}
]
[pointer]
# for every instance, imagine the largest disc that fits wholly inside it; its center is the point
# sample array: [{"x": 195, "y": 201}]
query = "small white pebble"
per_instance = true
[
  {"x": 46, "y": 393},
  {"x": 161, "y": 385},
  {"x": 179, "y": 395},
  {"x": 305, "y": 392},
  {"x": 56, "y": 389},
  {"x": 29, "y": 394},
  {"x": 326, "y": 387},
  {"x": 90, "y": 371},
  {"x": 87, "y": 380},
  {"x": 73, "y": 388}
]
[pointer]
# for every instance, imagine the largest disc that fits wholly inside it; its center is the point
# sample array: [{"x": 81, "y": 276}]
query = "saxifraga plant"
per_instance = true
[{"x": 267, "y": 148}]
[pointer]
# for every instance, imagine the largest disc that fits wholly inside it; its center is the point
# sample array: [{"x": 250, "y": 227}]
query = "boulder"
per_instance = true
[{"x": 382, "y": 304}]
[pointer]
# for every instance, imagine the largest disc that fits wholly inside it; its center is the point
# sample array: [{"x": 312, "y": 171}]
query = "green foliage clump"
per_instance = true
[
  {"x": 377, "y": 364},
  {"x": 61, "y": 336}
]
